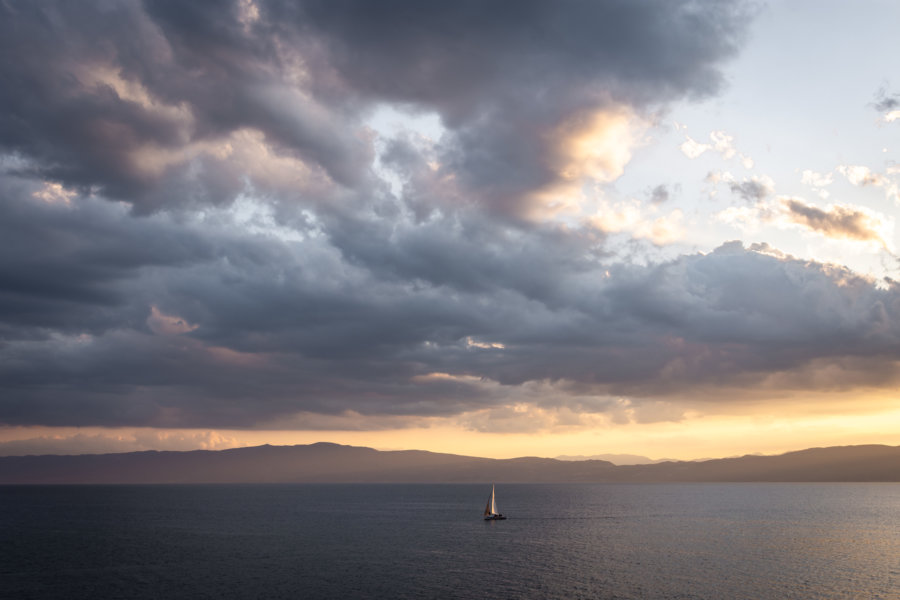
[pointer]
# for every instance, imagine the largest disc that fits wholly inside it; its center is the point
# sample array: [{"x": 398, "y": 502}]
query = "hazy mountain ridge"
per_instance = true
[
  {"x": 616, "y": 459},
  {"x": 333, "y": 463}
]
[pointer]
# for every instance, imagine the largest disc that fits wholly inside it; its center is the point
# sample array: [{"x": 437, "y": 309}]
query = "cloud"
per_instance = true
[
  {"x": 154, "y": 116},
  {"x": 723, "y": 144},
  {"x": 201, "y": 228},
  {"x": 817, "y": 181},
  {"x": 838, "y": 221},
  {"x": 102, "y": 443},
  {"x": 889, "y": 104},
  {"x": 54, "y": 193},
  {"x": 639, "y": 221},
  {"x": 814, "y": 179},
  {"x": 155, "y": 321},
  {"x": 862, "y": 176},
  {"x": 720, "y": 142},
  {"x": 659, "y": 194},
  {"x": 185, "y": 106},
  {"x": 693, "y": 149},
  {"x": 754, "y": 189},
  {"x": 835, "y": 221},
  {"x": 163, "y": 324},
  {"x": 588, "y": 148}
]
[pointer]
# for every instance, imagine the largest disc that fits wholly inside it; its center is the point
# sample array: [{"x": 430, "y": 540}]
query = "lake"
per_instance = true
[{"x": 717, "y": 541}]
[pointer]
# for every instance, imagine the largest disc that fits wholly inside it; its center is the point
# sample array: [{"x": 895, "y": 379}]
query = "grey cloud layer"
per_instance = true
[
  {"x": 275, "y": 327},
  {"x": 500, "y": 74},
  {"x": 227, "y": 255}
]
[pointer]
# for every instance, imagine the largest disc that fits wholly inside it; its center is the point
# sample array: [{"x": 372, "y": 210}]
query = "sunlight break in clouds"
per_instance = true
[
  {"x": 587, "y": 149},
  {"x": 598, "y": 146}
]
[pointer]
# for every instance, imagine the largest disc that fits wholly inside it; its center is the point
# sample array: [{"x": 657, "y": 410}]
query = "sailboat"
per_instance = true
[{"x": 490, "y": 511}]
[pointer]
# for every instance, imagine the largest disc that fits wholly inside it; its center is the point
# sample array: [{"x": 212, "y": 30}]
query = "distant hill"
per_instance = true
[
  {"x": 333, "y": 463},
  {"x": 616, "y": 459}
]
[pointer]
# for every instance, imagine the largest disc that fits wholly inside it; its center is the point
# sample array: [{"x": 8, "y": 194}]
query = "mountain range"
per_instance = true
[
  {"x": 333, "y": 463},
  {"x": 616, "y": 459}
]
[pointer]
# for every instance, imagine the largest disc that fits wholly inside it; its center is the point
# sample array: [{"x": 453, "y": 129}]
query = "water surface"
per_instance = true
[{"x": 759, "y": 541}]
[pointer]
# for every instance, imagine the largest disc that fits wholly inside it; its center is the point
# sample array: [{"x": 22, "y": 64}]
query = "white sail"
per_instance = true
[
  {"x": 491, "y": 508},
  {"x": 490, "y": 511}
]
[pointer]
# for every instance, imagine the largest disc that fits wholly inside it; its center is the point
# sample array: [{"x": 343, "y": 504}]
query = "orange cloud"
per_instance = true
[
  {"x": 589, "y": 148},
  {"x": 837, "y": 221}
]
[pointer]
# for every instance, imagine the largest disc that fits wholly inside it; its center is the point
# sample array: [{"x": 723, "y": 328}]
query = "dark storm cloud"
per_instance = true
[
  {"x": 196, "y": 232},
  {"x": 506, "y": 76},
  {"x": 68, "y": 268},
  {"x": 468, "y": 57},
  {"x": 110, "y": 98},
  {"x": 128, "y": 98}
]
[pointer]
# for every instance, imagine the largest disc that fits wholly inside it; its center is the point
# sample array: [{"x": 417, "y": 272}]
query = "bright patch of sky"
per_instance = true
[
  {"x": 390, "y": 122},
  {"x": 797, "y": 110}
]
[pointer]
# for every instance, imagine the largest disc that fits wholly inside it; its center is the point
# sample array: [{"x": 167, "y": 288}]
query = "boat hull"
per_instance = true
[{"x": 495, "y": 518}]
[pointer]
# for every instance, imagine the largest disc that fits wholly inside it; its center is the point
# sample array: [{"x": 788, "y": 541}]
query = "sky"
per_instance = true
[{"x": 489, "y": 228}]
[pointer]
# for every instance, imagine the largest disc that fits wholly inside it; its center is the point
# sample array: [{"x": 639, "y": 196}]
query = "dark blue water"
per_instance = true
[{"x": 714, "y": 541}]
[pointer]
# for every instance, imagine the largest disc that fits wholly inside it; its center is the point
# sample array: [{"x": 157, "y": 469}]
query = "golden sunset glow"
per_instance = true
[{"x": 694, "y": 437}]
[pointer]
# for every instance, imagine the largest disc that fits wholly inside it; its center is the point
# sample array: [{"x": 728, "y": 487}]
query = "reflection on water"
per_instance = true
[{"x": 429, "y": 541}]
